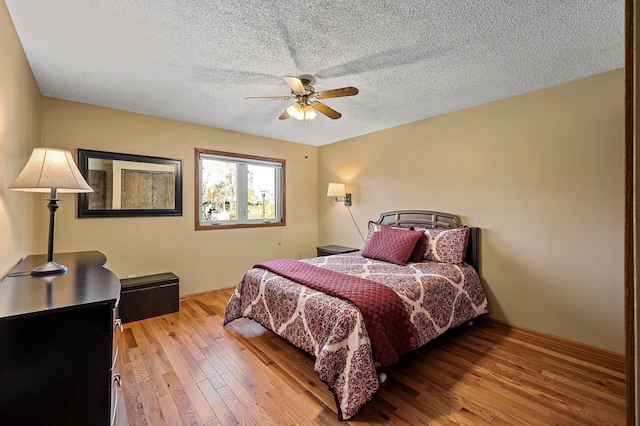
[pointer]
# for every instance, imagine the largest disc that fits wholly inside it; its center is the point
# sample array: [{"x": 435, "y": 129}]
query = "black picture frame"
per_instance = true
[{"x": 84, "y": 157}]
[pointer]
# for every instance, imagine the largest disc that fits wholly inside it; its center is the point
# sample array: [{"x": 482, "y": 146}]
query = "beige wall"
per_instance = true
[
  {"x": 540, "y": 173},
  {"x": 204, "y": 260},
  {"x": 19, "y": 134}
]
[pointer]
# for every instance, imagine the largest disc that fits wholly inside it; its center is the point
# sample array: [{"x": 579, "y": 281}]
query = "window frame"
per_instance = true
[{"x": 250, "y": 159}]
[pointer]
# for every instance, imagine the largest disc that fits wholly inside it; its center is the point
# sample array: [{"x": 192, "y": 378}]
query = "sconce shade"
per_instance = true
[
  {"x": 336, "y": 190},
  {"x": 339, "y": 191},
  {"x": 50, "y": 168}
]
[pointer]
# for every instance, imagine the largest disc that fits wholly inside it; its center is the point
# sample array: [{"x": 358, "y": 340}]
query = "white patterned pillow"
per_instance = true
[
  {"x": 446, "y": 245},
  {"x": 376, "y": 227}
]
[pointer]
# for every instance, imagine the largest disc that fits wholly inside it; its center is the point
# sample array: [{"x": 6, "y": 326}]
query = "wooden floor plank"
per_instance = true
[
  {"x": 180, "y": 398},
  {"x": 133, "y": 403},
  {"x": 224, "y": 416},
  {"x": 181, "y": 370},
  {"x": 563, "y": 384},
  {"x": 187, "y": 368},
  {"x": 245, "y": 416},
  {"x": 149, "y": 394},
  {"x": 169, "y": 411}
]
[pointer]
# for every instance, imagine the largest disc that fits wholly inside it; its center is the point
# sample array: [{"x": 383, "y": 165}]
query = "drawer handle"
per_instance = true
[
  {"x": 119, "y": 323},
  {"x": 116, "y": 378}
]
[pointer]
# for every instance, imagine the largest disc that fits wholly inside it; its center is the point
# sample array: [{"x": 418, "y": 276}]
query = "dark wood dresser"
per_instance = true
[{"x": 59, "y": 343}]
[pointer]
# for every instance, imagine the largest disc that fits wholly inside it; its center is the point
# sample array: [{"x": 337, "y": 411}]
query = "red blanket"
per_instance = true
[{"x": 388, "y": 324}]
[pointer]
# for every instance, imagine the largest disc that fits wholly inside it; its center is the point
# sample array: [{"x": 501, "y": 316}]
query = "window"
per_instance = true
[{"x": 238, "y": 191}]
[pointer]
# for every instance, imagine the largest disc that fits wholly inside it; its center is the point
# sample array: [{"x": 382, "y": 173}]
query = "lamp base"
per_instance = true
[{"x": 49, "y": 268}]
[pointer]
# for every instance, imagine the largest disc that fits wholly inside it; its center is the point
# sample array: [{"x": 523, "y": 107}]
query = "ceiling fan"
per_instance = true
[{"x": 306, "y": 104}]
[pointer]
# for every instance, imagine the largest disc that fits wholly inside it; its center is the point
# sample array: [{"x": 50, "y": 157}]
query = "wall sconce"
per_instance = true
[{"x": 338, "y": 191}]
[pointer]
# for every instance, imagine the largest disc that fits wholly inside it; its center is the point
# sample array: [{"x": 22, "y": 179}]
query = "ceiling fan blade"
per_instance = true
[
  {"x": 337, "y": 93},
  {"x": 296, "y": 85},
  {"x": 271, "y": 98},
  {"x": 284, "y": 115},
  {"x": 329, "y": 112}
]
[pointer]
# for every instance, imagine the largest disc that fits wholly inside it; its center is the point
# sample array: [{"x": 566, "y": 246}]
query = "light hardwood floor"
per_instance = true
[{"x": 187, "y": 369}]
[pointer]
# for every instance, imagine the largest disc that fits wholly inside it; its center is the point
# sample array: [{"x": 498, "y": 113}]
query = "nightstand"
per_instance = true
[{"x": 329, "y": 250}]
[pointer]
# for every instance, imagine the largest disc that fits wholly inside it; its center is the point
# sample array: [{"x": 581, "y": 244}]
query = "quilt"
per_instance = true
[{"x": 436, "y": 296}]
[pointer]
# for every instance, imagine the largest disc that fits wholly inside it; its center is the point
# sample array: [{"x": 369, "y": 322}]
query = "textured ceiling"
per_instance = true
[{"x": 196, "y": 60}]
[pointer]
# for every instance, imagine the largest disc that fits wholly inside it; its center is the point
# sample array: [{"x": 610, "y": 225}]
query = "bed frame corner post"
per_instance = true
[{"x": 473, "y": 249}]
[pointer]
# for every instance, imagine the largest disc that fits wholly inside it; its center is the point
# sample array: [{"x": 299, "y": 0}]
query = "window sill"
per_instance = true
[{"x": 200, "y": 227}]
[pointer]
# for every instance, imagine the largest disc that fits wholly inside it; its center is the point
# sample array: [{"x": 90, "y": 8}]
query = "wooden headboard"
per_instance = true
[{"x": 431, "y": 219}]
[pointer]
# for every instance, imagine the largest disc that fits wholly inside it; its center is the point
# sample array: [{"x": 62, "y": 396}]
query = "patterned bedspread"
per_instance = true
[{"x": 437, "y": 297}]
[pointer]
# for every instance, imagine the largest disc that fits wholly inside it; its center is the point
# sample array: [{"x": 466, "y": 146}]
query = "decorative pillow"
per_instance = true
[
  {"x": 374, "y": 227},
  {"x": 377, "y": 227},
  {"x": 391, "y": 245},
  {"x": 418, "y": 251},
  {"x": 446, "y": 245}
]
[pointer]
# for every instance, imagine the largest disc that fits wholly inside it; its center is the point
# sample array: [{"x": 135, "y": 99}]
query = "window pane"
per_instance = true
[
  {"x": 261, "y": 192},
  {"x": 218, "y": 190},
  {"x": 239, "y": 191}
]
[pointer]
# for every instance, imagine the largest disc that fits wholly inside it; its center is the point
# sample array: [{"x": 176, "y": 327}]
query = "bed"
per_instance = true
[{"x": 438, "y": 290}]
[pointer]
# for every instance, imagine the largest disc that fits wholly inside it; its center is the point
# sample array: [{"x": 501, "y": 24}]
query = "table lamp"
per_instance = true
[{"x": 50, "y": 170}]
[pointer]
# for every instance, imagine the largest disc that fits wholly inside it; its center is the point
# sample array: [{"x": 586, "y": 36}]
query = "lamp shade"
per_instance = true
[
  {"x": 50, "y": 168},
  {"x": 336, "y": 190},
  {"x": 301, "y": 111}
]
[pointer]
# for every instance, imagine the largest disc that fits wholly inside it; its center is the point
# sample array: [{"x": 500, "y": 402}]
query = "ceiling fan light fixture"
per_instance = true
[
  {"x": 301, "y": 112},
  {"x": 306, "y": 105},
  {"x": 309, "y": 113}
]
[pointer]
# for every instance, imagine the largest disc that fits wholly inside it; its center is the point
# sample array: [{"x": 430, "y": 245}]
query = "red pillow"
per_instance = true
[
  {"x": 420, "y": 249},
  {"x": 392, "y": 245}
]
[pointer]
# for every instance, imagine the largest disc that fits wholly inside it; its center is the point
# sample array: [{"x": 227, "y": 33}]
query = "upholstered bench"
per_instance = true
[{"x": 149, "y": 296}]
